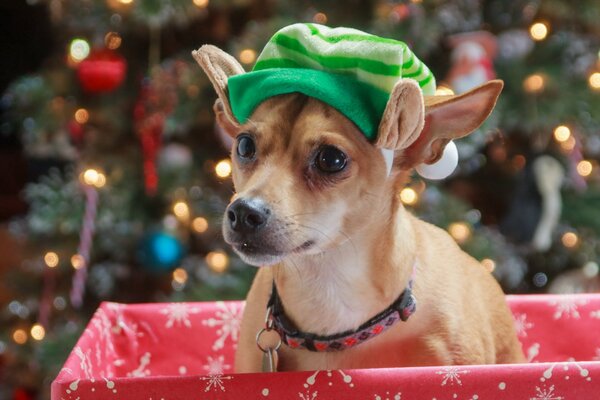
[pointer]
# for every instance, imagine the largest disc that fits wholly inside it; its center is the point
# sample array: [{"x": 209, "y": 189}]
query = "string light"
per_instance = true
[
  {"x": 489, "y": 264},
  {"x": 562, "y": 133},
  {"x": 534, "y": 83},
  {"x": 594, "y": 80},
  {"x": 569, "y": 239},
  {"x": 51, "y": 259},
  {"x": 247, "y": 56},
  {"x": 201, "y": 3},
  {"x": 320, "y": 18},
  {"x": 19, "y": 336},
  {"x": 37, "y": 332},
  {"x": 217, "y": 261},
  {"x": 77, "y": 261},
  {"x": 459, "y": 231},
  {"x": 180, "y": 275},
  {"x": 538, "y": 31},
  {"x": 409, "y": 196},
  {"x": 181, "y": 210},
  {"x": 125, "y": 1},
  {"x": 93, "y": 177},
  {"x": 223, "y": 168},
  {"x": 444, "y": 91},
  {"x": 79, "y": 49},
  {"x": 112, "y": 40},
  {"x": 82, "y": 115},
  {"x": 200, "y": 224},
  {"x": 568, "y": 144},
  {"x": 584, "y": 168}
]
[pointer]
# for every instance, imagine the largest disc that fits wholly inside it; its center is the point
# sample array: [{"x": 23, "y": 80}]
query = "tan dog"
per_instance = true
[{"x": 313, "y": 202}]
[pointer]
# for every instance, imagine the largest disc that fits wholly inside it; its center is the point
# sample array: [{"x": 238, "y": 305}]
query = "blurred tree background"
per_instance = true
[{"x": 113, "y": 176}]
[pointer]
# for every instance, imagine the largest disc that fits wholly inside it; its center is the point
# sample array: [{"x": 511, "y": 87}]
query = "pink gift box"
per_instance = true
[{"x": 185, "y": 351}]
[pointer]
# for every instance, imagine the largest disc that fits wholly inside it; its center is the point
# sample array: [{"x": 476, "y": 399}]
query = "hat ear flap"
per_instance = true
[
  {"x": 219, "y": 66},
  {"x": 403, "y": 118}
]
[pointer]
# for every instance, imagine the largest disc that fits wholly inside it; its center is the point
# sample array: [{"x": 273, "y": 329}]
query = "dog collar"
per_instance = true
[{"x": 400, "y": 310}]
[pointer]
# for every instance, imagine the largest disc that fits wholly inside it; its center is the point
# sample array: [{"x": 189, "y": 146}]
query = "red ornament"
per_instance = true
[{"x": 103, "y": 71}]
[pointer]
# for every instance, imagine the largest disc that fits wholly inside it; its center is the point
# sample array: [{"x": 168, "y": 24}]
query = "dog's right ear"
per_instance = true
[{"x": 219, "y": 66}]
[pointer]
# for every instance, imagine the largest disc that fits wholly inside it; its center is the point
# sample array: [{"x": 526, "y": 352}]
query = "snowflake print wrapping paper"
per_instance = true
[{"x": 185, "y": 351}]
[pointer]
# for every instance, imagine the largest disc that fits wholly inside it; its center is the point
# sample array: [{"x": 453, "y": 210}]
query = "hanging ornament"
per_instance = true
[
  {"x": 514, "y": 44},
  {"x": 443, "y": 167},
  {"x": 472, "y": 60},
  {"x": 160, "y": 251},
  {"x": 158, "y": 98},
  {"x": 102, "y": 71},
  {"x": 86, "y": 236}
]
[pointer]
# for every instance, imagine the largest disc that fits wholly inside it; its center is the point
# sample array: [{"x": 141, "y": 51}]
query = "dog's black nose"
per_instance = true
[{"x": 247, "y": 215}]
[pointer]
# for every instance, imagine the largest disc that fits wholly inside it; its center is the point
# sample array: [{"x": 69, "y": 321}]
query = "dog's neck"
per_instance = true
[{"x": 343, "y": 287}]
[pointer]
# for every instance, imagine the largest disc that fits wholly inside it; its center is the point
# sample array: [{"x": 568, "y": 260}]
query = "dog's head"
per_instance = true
[{"x": 306, "y": 179}]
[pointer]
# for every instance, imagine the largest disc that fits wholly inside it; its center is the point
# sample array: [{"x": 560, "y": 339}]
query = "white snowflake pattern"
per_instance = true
[
  {"x": 228, "y": 320},
  {"x": 545, "y": 394},
  {"x": 567, "y": 306},
  {"x": 215, "y": 382},
  {"x": 522, "y": 325},
  {"x": 141, "y": 369},
  {"x": 308, "y": 395},
  {"x": 178, "y": 313},
  {"x": 216, "y": 366},
  {"x": 595, "y": 314},
  {"x": 397, "y": 396},
  {"x": 451, "y": 375}
]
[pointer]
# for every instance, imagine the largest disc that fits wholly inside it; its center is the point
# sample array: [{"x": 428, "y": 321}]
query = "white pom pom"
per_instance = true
[{"x": 443, "y": 167}]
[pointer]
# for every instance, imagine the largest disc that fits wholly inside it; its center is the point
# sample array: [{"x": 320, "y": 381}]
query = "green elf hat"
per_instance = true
[{"x": 352, "y": 71}]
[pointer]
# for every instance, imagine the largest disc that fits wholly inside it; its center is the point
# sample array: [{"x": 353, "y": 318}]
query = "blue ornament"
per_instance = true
[{"x": 160, "y": 251}]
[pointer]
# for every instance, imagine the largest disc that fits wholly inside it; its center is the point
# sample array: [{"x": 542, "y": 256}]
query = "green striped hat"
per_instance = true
[{"x": 350, "y": 70}]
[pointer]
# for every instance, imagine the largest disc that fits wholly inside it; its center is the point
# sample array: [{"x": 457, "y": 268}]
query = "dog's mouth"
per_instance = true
[{"x": 260, "y": 253}]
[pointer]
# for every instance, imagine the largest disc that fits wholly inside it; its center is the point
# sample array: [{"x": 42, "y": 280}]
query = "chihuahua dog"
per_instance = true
[{"x": 315, "y": 207}]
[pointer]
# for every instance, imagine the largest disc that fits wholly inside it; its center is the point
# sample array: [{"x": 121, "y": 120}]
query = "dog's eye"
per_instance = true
[
  {"x": 245, "y": 147},
  {"x": 331, "y": 159}
]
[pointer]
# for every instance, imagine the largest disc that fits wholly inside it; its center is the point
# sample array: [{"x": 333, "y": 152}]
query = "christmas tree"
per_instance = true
[{"x": 107, "y": 121}]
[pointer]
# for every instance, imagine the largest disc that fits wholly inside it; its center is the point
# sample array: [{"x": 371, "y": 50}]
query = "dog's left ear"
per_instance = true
[
  {"x": 419, "y": 127},
  {"x": 219, "y": 66}
]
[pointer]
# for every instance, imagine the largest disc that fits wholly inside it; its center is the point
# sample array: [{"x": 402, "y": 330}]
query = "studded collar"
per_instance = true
[{"x": 400, "y": 310}]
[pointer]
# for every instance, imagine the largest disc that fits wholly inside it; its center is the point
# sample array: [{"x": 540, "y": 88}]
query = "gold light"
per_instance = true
[
  {"x": 584, "y": 168},
  {"x": 409, "y": 196},
  {"x": 93, "y": 177},
  {"x": 569, "y": 239},
  {"x": 444, "y": 91},
  {"x": 569, "y": 144},
  {"x": 19, "y": 336},
  {"x": 79, "y": 49},
  {"x": 181, "y": 210},
  {"x": 180, "y": 275},
  {"x": 562, "y": 133},
  {"x": 201, "y": 3},
  {"x": 217, "y": 261},
  {"x": 320, "y": 18},
  {"x": 534, "y": 83},
  {"x": 223, "y": 168},
  {"x": 82, "y": 115},
  {"x": 247, "y": 56},
  {"x": 125, "y": 1},
  {"x": 200, "y": 224},
  {"x": 112, "y": 40},
  {"x": 594, "y": 80},
  {"x": 489, "y": 264},
  {"x": 77, "y": 261},
  {"x": 51, "y": 259},
  {"x": 459, "y": 231},
  {"x": 538, "y": 31},
  {"x": 37, "y": 332}
]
